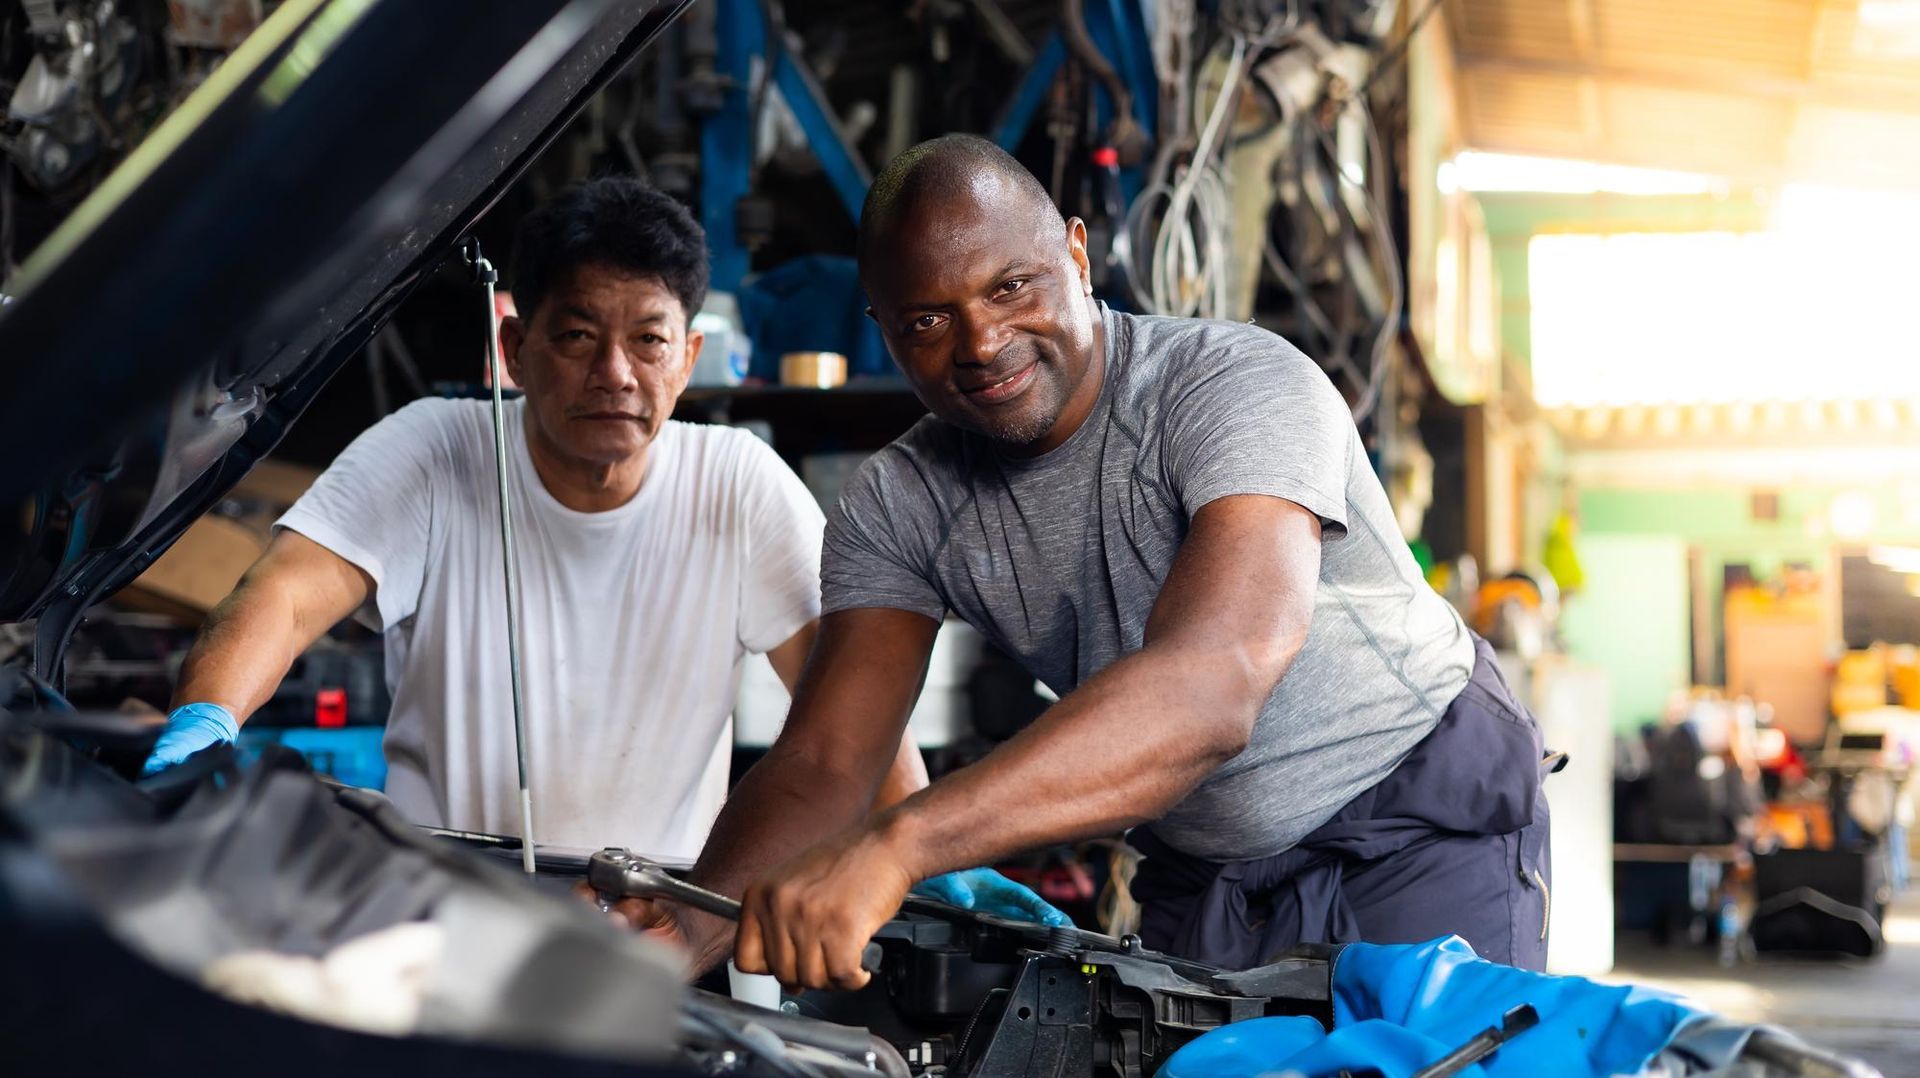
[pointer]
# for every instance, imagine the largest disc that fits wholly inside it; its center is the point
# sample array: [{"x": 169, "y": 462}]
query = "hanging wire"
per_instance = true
[
  {"x": 1182, "y": 227},
  {"x": 1382, "y": 231}
]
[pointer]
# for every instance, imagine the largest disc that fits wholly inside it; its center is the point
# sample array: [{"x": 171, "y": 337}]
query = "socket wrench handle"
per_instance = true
[{"x": 615, "y": 873}]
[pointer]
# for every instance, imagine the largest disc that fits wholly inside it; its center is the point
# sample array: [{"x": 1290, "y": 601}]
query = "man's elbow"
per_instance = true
[
  {"x": 1226, "y": 739},
  {"x": 1257, "y": 665}
]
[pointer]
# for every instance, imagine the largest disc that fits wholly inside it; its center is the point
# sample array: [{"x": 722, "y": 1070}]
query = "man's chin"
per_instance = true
[
  {"x": 1015, "y": 432},
  {"x": 612, "y": 448}
]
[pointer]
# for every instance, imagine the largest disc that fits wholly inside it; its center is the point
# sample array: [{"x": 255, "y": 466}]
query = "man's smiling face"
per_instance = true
[{"x": 982, "y": 300}]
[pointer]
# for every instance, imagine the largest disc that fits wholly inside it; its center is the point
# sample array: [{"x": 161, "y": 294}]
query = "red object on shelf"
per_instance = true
[
  {"x": 1106, "y": 157},
  {"x": 330, "y": 708}
]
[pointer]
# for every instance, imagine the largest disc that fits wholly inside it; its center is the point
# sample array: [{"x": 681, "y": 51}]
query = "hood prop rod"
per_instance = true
[{"x": 485, "y": 276}]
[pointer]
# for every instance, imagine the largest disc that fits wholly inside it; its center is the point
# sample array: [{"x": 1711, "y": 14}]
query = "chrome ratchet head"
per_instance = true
[{"x": 614, "y": 873}]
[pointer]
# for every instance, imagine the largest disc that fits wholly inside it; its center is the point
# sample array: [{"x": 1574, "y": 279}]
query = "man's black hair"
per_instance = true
[
  {"x": 613, "y": 221},
  {"x": 943, "y": 165}
]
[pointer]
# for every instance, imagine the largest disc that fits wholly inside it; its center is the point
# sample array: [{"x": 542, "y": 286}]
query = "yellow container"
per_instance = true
[
  {"x": 1860, "y": 681},
  {"x": 814, "y": 370}
]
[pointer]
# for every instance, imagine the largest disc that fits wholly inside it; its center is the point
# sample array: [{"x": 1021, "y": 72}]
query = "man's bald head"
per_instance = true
[{"x": 951, "y": 171}]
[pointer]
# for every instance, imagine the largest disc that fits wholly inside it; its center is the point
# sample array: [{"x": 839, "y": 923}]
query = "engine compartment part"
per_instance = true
[{"x": 208, "y": 874}]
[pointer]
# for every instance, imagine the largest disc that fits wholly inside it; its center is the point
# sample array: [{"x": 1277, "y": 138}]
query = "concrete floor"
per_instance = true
[{"x": 1866, "y": 1009}]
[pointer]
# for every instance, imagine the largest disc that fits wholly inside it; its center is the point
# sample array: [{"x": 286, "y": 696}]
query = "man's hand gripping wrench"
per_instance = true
[{"x": 615, "y": 873}]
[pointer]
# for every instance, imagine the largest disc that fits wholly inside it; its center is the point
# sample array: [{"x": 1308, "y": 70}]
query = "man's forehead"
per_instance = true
[
  {"x": 596, "y": 286},
  {"x": 958, "y": 246}
]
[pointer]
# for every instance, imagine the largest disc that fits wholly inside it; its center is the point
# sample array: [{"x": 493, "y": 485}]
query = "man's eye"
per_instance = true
[
  {"x": 1009, "y": 287},
  {"x": 652, "y": 339},
  {"x": 924, "y": 322},
  {"x": 573, "y": 335}
]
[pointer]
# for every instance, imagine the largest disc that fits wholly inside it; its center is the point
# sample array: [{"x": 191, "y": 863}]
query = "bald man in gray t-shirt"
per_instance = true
[
  {"x": 1058, "y": 559},
  {"x": 1173, "y": 524}
]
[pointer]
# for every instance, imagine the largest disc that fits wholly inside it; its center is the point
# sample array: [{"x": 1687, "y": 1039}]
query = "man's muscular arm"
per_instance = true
[
  {"x": 1122, "y": 749},
  {"x": 840, "y": 750},
  {"x": 908, "y": 774}
]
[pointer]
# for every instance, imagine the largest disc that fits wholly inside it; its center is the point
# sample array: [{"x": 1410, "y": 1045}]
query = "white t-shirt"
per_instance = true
[{"x": 635, "y": 621}]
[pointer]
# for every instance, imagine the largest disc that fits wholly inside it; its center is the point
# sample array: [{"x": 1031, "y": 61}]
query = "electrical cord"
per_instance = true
[
  {"x": 1186, "y": 251},
  {"x": 1379, "y": 357},
  {"x": 1391, "y": 58},
  {"x": 1178, "y": 230}
]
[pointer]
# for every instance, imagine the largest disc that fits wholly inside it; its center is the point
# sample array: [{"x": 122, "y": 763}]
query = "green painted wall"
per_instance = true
[
  {"x": 1718, "y": 522},
  {"x": 1631, "y": 621}
]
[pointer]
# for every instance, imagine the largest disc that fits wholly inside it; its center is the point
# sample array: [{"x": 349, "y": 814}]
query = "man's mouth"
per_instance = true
[
  {"x": 610, "y": 417},
  {"x": 1005, "y": 389}
]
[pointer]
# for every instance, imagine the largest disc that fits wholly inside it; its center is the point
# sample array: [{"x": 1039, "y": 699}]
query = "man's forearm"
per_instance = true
[
  {"x": 244, "y": 650},
  {"x": 788, "y": 801},
  {"x": 907, "y": 777},
  {"x": 1121, "y": 750}
]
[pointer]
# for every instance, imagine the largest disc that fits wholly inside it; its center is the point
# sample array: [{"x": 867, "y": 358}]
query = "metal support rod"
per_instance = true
[{"x": 483, "y": 272}]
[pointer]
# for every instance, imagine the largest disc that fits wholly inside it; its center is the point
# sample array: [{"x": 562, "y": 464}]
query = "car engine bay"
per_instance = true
[{"x": 228, "y": 885}]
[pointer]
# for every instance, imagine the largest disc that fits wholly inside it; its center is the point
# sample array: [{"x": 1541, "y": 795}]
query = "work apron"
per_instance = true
[{"x": 1452, "y": 842}]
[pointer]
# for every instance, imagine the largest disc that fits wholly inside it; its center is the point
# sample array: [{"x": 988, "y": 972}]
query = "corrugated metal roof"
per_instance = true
[{"x": 1766, "y": 90}]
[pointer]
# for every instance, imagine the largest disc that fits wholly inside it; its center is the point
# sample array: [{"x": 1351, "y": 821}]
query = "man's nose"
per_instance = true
[
  {"x": 982, "y": 338},
  {"x": 613, "y": 369}
]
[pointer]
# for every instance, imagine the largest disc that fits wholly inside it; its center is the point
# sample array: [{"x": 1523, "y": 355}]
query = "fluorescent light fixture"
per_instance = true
[{"x": 1473, "y": 170}]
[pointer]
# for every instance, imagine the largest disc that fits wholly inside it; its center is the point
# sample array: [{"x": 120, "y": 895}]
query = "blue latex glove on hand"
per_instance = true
[
  {"x": 987, "y": 891},
  {"x": 190, "y": 728}
]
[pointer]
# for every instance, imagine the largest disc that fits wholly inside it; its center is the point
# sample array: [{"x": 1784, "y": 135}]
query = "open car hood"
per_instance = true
[{"x": 247, "y": 249}]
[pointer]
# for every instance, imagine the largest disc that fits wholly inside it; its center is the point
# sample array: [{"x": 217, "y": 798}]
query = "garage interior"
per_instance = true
[{"x": 1609, "y": 288}]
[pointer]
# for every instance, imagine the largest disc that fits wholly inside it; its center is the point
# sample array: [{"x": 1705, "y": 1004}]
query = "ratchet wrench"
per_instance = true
[{"x": 616, "y": 873}]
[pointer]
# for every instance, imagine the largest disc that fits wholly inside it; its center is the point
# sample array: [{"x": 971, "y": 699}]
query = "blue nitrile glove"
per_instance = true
[
  {"x": 190, "y": 728},
  {"x": 987, "y": 891}
]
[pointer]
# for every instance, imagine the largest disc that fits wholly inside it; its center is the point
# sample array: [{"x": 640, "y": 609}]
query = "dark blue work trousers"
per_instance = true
[{"x": 1452, "y": 842}]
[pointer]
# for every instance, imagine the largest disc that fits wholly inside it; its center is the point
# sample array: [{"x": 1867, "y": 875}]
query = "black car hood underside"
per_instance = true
[{"x": 248, "y": 249}]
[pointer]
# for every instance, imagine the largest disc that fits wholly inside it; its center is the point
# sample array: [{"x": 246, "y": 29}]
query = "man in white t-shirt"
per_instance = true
[{"x": 654, "y": 557}]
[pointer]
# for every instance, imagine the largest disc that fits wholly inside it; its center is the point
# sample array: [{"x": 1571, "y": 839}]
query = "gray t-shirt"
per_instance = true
[{"x": 1058, "y": 560}]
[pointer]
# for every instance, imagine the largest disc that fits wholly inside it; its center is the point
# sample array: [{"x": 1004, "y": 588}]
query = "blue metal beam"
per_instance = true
[
  {"x": 726, "y": 141},
  {"x": 1030, "y": 94},
  {"x": 1131, "y": 51},
  {"x": 837, "y": 157}
]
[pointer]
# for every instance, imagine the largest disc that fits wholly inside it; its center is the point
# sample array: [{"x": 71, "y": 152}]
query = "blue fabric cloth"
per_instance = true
[
  {"x": 987, "y": 891},
  {"x": 1453, "y": 842},
  {"x": 190, "y": 728},
  {"x": 811, "y": 304},
  {"x": 1401, "y": 1007},
  {"x": 1443, "y": 990}
]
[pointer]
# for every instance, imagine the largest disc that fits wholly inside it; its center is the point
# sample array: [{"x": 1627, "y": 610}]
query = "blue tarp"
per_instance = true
[
  {"x": 812, "y": 304},
  {"x": 1402, "y": 1007}
]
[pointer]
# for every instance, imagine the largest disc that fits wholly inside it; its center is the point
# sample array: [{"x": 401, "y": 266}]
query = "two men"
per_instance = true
[
  {"x": 1174, "y": 525},
  {"x": 654, "y": 556}
]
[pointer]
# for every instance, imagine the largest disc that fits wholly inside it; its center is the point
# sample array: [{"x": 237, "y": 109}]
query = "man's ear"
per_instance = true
[
  {"x": 513, "y": 334},
  {"x": 1077, "y": 247},
  {"x": 696, "y": 340}
]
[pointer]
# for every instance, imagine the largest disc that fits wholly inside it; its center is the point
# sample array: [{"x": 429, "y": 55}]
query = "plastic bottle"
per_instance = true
[{"x": 1729, "y": 932}]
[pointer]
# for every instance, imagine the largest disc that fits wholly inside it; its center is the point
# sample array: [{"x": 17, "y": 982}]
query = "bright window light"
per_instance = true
[
  {"x": 1887, "y": 28},
  {"x": 1473, "y": 170},
  {"x": 1817, "y": 308}
]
